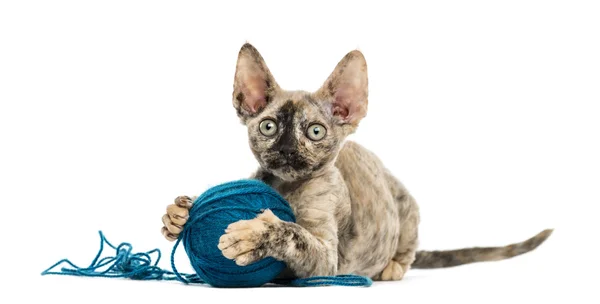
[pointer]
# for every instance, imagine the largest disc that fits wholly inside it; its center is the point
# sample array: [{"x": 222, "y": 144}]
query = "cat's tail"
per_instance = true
[{"x": 450, "y": 258}]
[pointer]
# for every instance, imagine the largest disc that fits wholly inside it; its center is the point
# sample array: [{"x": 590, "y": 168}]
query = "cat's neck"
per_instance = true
[{"x": 285, "y": 187}]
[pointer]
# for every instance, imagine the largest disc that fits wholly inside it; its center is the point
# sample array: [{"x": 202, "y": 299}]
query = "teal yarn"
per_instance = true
[
  {"x": 210, "y": 214},
  {"x": 124, "y": 264}
]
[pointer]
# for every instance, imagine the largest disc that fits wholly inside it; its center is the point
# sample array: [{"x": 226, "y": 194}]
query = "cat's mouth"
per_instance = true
[{"x": 294, "y": 163}]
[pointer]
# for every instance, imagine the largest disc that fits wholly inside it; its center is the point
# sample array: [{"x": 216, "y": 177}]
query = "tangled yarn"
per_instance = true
[{"x": 210, "y": 214}]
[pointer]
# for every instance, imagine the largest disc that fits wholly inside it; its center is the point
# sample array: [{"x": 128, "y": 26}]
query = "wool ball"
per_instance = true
[{"x": 211, "y": 213}]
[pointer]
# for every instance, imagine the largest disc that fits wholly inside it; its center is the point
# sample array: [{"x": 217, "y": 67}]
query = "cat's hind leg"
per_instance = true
[
  {"x": 400, "y": 263},
  {"x": 407, "y": 248},
  {"x": 408, "y": 214}
]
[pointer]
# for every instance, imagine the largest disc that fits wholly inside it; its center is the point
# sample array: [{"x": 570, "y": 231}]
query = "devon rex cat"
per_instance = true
[{"x": 353, "y": 215}]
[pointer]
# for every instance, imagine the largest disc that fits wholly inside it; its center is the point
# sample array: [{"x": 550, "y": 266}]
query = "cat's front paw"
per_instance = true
[
  {"x": 176, "y": 217},
  {"x": 245, "y": 241}
]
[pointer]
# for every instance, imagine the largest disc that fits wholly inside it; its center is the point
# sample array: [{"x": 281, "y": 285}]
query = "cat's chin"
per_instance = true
[{"x": 288, "y": 173}]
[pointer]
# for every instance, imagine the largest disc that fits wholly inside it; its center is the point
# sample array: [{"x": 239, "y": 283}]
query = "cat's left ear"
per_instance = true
[
  {"x": 253, "y": 86},
  {"x": 346, "y": 90}
]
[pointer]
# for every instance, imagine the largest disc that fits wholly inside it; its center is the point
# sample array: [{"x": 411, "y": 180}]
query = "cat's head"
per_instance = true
[{"x": 298, "y": 134}]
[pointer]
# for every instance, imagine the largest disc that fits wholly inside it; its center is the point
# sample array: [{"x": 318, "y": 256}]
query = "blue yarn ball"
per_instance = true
[{"x": 211, "y": 213}]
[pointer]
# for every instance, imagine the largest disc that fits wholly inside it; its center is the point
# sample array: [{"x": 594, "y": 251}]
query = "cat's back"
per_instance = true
[
  {"x": 364, "y": 174},
  {"x": 363, "y": 171},
  {"x": 357, "y": 162}
]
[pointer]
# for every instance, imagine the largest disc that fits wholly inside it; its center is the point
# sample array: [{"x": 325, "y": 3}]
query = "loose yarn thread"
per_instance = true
[
  {"x": 140, "y": 266},
  {"x": 209, "y": 215}
]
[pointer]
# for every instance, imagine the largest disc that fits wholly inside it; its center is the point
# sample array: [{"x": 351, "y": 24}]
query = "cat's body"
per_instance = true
[
  {"x": 368, "y": 206},
  {"x": 352, "y": 214}
]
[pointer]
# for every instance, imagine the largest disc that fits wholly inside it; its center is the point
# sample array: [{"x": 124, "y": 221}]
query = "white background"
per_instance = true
[{"x": 487, "y": 111}]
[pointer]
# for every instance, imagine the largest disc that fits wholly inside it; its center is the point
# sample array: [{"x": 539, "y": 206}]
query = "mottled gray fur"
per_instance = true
[{"x": 353, "y": 215}]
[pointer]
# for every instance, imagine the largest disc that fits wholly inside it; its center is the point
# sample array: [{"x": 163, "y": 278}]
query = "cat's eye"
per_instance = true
[
  {"x": 268, "y": 127},
  {"x": 316, "y": 132}
]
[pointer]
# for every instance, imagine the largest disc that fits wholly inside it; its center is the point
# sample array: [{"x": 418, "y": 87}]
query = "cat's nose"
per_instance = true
[{"x": 288, "y": 151}]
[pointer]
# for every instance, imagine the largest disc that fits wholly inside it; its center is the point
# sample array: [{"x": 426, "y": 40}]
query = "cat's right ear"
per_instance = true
[{"x": 253, "y": 86}]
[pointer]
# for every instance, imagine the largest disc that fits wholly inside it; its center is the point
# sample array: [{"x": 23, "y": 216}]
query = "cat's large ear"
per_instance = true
[
  {"x": 346, "y": 89},
  {"x": 253, "y": 86}
]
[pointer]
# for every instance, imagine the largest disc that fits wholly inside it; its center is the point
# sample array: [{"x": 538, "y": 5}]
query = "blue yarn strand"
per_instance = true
[
  {"x": 140, "y": 266},
  {"x": 125, "y": 264},
  {"x": 208, "y": 218},
  {"x": 339, "y": 280}
]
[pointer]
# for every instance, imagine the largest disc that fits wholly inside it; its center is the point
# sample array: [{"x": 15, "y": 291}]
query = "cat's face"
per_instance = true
[
  {"x": 296, "y": 134},
  {"x": 294, "y": 137}
]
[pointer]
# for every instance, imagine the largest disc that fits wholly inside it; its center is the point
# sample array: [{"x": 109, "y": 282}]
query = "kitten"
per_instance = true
[{"x": 353, "y": 215}]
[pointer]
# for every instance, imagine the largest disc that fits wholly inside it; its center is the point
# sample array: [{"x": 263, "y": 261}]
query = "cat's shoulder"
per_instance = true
[{"x": 351, "y": 149}]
